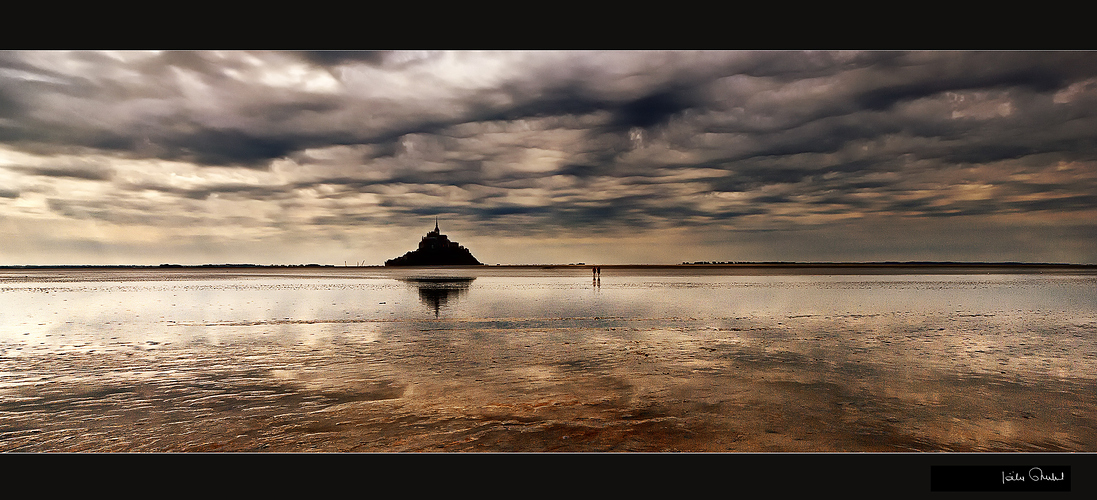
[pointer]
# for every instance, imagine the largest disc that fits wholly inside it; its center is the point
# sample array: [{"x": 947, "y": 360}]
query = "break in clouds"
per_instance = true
[{"x": 547, "y": 156}]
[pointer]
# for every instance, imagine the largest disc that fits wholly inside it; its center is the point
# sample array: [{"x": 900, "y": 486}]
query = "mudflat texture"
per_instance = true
[{"x": 346, "y": 359}]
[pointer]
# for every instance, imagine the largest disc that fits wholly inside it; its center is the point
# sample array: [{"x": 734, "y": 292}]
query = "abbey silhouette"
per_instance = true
[{"x": 435, "y": 249}]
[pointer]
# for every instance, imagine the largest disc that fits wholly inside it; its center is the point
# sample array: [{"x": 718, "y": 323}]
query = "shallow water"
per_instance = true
[{"x": 503, "y": 359}]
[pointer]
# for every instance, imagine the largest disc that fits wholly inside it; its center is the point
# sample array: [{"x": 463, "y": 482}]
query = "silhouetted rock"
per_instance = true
[{"x": 435, "y": 249}]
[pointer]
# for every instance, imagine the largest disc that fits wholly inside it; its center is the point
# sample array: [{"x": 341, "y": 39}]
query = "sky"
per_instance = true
[{"x": 540, "y": 157}]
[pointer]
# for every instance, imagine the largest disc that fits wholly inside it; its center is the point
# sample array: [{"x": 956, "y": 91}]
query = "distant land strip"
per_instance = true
[{"x": 698, "y": 264}]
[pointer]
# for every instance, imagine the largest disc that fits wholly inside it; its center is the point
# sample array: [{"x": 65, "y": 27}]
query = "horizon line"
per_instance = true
[{"x": 574, "y": 264}]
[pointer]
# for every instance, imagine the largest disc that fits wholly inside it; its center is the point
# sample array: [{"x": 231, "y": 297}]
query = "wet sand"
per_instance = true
[{"x": 344, "y": 360}]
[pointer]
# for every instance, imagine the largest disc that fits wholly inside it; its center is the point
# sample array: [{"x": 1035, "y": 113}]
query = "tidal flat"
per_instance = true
[{"x": 547, "y": 359}]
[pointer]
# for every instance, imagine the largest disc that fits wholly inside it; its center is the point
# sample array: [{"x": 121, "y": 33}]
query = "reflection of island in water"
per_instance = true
[{"x": 436, "y": 292}]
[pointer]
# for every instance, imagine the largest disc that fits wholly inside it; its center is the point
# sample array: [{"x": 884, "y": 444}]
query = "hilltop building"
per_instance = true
[{"x": 435, "y": 249}]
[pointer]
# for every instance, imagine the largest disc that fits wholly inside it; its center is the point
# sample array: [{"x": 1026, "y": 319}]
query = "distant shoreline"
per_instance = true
[{"x": 697, "y": 265}]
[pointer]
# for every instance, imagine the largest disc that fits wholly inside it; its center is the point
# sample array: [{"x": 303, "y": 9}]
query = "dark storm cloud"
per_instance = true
[
  {"x": 241, "y": 191},
  {"x": 654, "y": 108},
  {"x": 1066, "y": 203},
  {"x": 83, "y": 169},
  {"x": 232, "y": 147},
  {"x": 91, "y": 175},
  {"x": 1039, "y": 72},
  {"x": 493, "y": 212},
  {"x": 337, "y": 57},
  {"x": 650, "y": 110}
]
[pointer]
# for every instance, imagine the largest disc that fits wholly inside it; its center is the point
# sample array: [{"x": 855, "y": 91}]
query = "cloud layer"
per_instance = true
[{"x": 546, "y": 156}]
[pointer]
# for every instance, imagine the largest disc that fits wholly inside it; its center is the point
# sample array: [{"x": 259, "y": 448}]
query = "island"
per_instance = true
[{"x": 436, "y": 249}]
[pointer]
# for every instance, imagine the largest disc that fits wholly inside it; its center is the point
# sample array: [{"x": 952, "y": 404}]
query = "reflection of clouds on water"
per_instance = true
[
  {"x": 534, "y": 361},
  {"x": 436, "y": 292}
]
